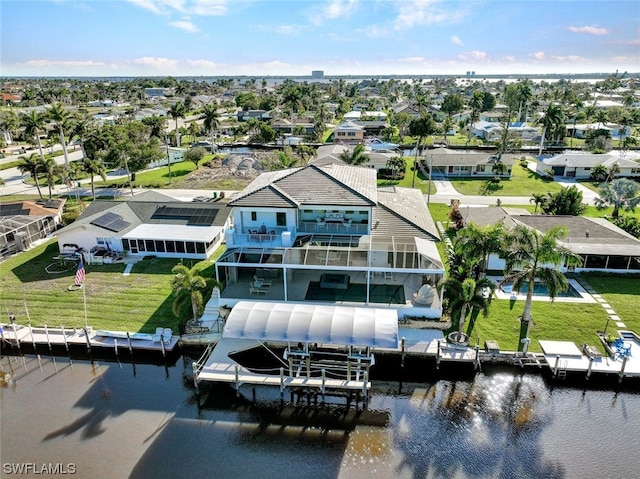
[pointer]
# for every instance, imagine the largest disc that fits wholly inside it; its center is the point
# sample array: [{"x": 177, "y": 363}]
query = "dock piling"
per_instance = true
[
  {"x": 237, "y": 373},
  {"x": 46, "y": 332},
  {"x": 281, "y": 383},
  {"x": 86, "y": 337},
  {"x": 556, "y": 366},
  {"x": 589, "y": 368},
  {"x": 115, "y": 345},
  {"x": 402, "y": 348},
  {"x": 164, "y": 353},
  {"x": 64, "y": 338},
  {"x": 33, "y": 341},
  {"x": 129, "y": 343},
  {"x": 324, "y": 380},
  {"x": 624, "y": 365}
]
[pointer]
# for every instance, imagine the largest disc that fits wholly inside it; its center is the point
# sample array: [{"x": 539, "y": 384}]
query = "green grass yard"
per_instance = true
[
  {"x": 523, "y": 182},
  {"x": 140, "y": 301}
]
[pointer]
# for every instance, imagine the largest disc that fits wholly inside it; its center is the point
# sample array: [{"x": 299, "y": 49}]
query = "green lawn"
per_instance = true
[
  {"x": 622, "y": 292},
  {"x": 140, "y": 301},
  {"x": 576, "y": 322},
  {"x": 408, "y": 181},
  {"x": 523, "y": 182}
]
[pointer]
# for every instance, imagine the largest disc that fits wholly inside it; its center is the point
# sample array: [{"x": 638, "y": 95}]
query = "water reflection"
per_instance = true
[{"x": 156, "y": 425}]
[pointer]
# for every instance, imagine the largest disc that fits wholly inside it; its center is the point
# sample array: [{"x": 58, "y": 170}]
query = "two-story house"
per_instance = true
[{"x": 329, "y": 234}]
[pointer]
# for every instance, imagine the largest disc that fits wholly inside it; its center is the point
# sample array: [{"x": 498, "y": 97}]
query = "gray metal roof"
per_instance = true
[{"x": 577, "y": 160}]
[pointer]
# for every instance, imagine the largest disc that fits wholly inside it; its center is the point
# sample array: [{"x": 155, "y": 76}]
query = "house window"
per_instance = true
[
  {"x": 281, "y": 219},
  {"x": 480, "y": 168},
  {"x": 150, "y": 245},
  {"x": 351, "y": 133},
  {"x": 180, "y": 246},
  {"x": 587, "y": 169},
  {"x": 200, "y": 248},
  {"x": 125, "y": 244},
  {"x": 160, "y": 246},
  {"x": 191, "y": 247},
  {"x": 104, "y": 241},
  {"x": 254, "y": 216},
  {"x": 171, "y": 247}
]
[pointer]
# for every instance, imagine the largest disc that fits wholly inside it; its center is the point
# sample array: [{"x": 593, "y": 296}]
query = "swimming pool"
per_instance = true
[{"x": 540, "y": 289}]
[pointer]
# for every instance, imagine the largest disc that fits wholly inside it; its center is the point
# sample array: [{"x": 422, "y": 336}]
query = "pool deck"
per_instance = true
[{"x": 585, "y": 297}]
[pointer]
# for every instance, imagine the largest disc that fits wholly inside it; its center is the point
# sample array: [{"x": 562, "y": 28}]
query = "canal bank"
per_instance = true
[{"x": 498, "y": 423}]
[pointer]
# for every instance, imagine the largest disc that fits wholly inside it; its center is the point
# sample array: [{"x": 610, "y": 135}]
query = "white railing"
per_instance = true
[{"x": 333, "y": 228}]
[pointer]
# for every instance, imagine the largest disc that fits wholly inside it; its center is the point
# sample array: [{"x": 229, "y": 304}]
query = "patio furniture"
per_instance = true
[{"x": 254, "y": 290}]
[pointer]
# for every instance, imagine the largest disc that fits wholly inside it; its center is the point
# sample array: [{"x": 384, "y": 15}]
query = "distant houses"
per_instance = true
[{"x": 581, "y": 165}]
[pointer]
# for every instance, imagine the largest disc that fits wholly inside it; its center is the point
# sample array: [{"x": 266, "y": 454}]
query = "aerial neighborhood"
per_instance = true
[{"x": 485, "y": 209}]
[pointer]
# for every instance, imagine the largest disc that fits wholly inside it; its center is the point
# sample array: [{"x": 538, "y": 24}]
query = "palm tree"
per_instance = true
[
  {"x": 32, "y": 164},
  {"x": 621, "y": 194},
  {"x": 33, "y": 123},
  {"x": 187, "y": 285},
  {"x": 50, "y": 169},
  {"x": 357, "y": 156},
  {"x": 527, "y": 258},
  {"x": 480, "y": 242},
  {"x": 292, "y": 97},
  {"x": 396, "y": 165},
  {"x": 477, "y": 100},
  {"x": 466, "y": 296},
  {"x": 550, "y": 121},
  {"x": 94, "y": 168},
  {"x": 176, "y": 111},
  {"x": 60, "y": 117},
  {"x": 211, "y": 120},
  {"x": 539, "y": 200}
]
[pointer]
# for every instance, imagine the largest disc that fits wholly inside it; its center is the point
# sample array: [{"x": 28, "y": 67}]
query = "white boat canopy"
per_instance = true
[{"x": 313, "y": 323}]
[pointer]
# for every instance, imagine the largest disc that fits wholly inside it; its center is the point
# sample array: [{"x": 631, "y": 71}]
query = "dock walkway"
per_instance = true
[{"x": 16, "y": 335}]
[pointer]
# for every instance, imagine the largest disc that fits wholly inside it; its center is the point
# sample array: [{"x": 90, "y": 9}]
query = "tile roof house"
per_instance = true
[
  {"x": 580, "y": 165},
  {"x": 329, "y": 234},
  {"x": 601, "y": 245},
  {"x": 148, "y": 224},
  {"x": 461, "y": 163}
]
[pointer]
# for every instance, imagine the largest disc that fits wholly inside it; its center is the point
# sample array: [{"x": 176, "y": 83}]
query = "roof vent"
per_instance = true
[{"x": 586, "y": 233}]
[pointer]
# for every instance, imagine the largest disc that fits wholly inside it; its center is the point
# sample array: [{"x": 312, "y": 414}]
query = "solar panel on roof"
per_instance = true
[
  {"x": 117, "y": 225},
  {"x": 12, "y": 210},
  {"x": 111, "y": 222},
  {"x": 52, "y": 204}
]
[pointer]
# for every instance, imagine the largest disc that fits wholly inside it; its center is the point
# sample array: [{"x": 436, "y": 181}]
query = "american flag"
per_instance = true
[{"x": 80, "y": 273}]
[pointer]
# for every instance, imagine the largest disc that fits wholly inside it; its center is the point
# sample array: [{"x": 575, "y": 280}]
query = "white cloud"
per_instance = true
[
  {"x": 185, "y": 7},
  {"x": 426, "y": 12},
  {"x": 202, "y": 63},
  {"x": 537, "y": 55},
  {"x": 288, "y": 29},
  {"x": 569, "y": 59},
  {"x": 158, "y": 63},
  {"x": 333, "y": 9},
  {"x": 185, "y": 25},
  {"x": 474, "y": 55},
  {"x": 588, "y": 29},
  {"x": 63, "y": 63},
  {"x": 456, "y": 40}
]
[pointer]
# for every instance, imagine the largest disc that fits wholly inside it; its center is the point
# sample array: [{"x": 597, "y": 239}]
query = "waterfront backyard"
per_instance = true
[{"x": 142, "y": 301}]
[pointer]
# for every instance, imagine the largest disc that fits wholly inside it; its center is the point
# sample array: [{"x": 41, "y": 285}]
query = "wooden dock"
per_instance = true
[{"x": 43, "y": 337}]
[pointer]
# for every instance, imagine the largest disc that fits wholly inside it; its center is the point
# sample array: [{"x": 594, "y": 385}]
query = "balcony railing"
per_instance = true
[
  {"x": 333, "y": 228},
  {"x": 258, "y": 239}
]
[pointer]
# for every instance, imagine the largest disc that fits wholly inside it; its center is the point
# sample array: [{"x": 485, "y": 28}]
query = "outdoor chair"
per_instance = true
[
  {"x": 158, "y": 334},
  {"x": 254, "y": 290}
]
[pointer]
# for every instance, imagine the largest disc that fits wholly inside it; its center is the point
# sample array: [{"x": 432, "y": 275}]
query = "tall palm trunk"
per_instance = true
[{"x": 64, "y": 147}]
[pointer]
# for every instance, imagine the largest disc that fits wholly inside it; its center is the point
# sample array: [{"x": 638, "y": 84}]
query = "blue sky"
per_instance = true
[{"x": 293, "y": 37}]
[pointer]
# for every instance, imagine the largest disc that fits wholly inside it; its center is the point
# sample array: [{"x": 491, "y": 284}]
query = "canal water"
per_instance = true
[{"x": 112, "y": 420}]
